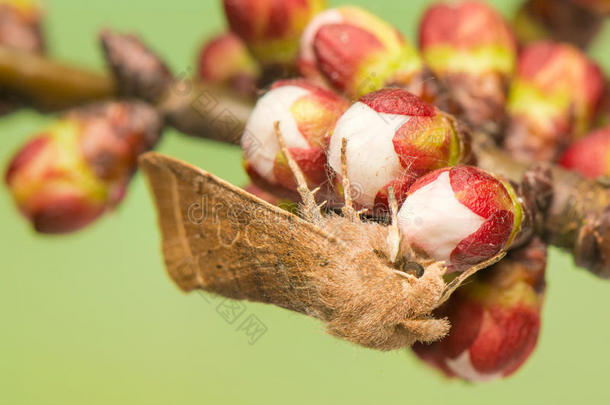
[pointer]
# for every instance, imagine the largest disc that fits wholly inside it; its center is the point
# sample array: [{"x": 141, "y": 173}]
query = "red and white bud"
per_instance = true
[
  {"x": 460, "y": 215},
  {"x": 589, "y": 156},
  {"x": 225, "y": 60},
  {"x": 552, "y": 101},
  {"x": 271, "y": 28},
  {"x": 471, "y": 48},
  {"x": 357, "y": 53},
  {"x": 79, "y": 167},
  {"x": 495, "y": 319},
  {"x": 393, "y": 138},
  {"x": 307, "y": 115}
]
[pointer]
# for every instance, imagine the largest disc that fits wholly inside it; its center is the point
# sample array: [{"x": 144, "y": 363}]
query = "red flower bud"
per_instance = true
[
  {"x": 358, "y": 53},
  {"x": 225, "y": 60},
  {"x": 495, "y": 319},
  {"x": 589, "y": 156},
  {"x": 552, "y": 100},
  {"x": 471, "y": 48},
  {"x": 306, "y": 114},
  {"x": 461, "y": 215},
  {"x": 20, "y": 26},
  {"x": 67, "y": 176},
  {"x": 393, "y": 137},
  {"x": 271, "y": 28}
]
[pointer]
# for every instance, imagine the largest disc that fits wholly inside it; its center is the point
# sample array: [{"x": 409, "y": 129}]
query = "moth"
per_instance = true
[{"x": 350, "y": 273}]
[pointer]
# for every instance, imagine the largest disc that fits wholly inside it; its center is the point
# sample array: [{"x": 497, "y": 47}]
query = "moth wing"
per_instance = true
[{"x": 220, "y": 238}]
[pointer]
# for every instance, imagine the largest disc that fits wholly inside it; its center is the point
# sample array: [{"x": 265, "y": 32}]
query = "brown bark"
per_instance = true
[
  {"x": 50, "y": 85},
  {"x": 560, "y": 20}
]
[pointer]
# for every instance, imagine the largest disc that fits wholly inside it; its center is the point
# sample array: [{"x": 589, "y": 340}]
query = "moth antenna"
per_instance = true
[
  {"x": 394, "y": 238},
  {"x": 311, "y": 210},
  {"x": 453, "y": 285},
  {"x": 348, "y": 209}
]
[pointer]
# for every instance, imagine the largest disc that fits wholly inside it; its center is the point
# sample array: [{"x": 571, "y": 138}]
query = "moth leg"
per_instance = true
[
  {"x": 311, "y": 210},
  {"x": 394, "y": 237},
  {"x": 348, "y": 208}
]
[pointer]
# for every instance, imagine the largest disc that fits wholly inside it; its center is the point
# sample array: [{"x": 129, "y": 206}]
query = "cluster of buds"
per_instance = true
[
  {"x": 393, "y": 138},
  {"x": 79, "y": 167},
  {"x": 552, "y": 101},
  {"x": 357, "y": 53},
  {"x": 225, "y": 60},
  {"x": 21, "y": 25},
  {"x": 306, "y": 114},
  {"x": 460, "y": 215},
  {"x": 271, "y": 28},
  {"x": 589, "y": 156},
  {"x": 472, "y": 50},
  {"x": 495, "y": 319}
]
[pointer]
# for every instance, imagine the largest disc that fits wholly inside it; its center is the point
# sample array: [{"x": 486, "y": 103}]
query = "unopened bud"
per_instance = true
[
  {"x": 471, "y": 48},
  {"x": 307, "y": 115},
  {"x": 589, "y": 156},
  {"x": 271, "y": 28},
  {"x": 460, "y": 215},
  {"x": 495, "y": 319},
  {"x": 393, "y": 138},
  {"x": 357, "y": 53},
  {"x": 79, "y": 167},
  {"x": 552, "y": 101},
  {"x": 225, "y": 60}
]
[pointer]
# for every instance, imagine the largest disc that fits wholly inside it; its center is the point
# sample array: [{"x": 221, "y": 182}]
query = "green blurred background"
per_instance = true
[{"x": 92, "y": 318}]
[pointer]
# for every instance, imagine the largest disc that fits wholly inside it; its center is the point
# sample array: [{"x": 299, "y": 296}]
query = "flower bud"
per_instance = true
[
  {"x": 495, "y": 319},
  {"x": 460, "y": 215},
  {"x": 470, "y": 47},
  {"x": 20, "y": 25},
  {"x": 306, "y": 115},
  {"x": 225, "y": 60},
  {"x": 79, "y": 167},
  {"x": 393, "y": 137},
  {"x": 271, "y": 28},
  {"x": 589, "y": 156},
  {"x": 358, "y": 53},
  {"x": 552, "y": 100}
]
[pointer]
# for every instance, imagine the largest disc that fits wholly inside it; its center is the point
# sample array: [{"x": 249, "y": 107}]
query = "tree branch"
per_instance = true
[{"x": 571, "y": 212}]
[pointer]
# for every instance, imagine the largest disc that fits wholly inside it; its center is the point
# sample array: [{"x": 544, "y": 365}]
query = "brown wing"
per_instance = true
[{"x": 219, "y": 238}]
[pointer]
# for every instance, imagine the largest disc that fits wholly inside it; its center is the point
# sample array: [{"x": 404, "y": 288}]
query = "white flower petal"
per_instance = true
[
  {"x": 259, "y": 141},
  {"x": 372, "y": 161}
]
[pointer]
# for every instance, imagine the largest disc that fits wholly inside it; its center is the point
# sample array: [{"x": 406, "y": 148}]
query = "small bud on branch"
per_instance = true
[
  {"x": 306, "y": 114},
  {"x": 393, "y": 139},
  {"x": 357, "y": 53},
  {"x": 553, "y": 100},
  {"x": 495, "y": 319},
  {"x": 225, "y": 60},
  {"x": 70, "y": 174},
  {"x": 460, "y": 215},
  {"x": 271, "y": 28},
  {"x": 589, "y": 156},
  {"x": 471, "y": 49}
]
